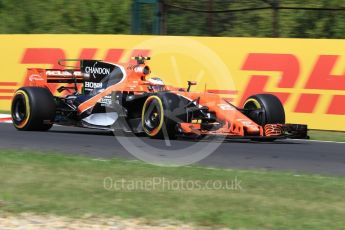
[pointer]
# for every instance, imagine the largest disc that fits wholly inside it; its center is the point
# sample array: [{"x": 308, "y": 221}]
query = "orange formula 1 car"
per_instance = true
[{"x": 111, "y": 96}]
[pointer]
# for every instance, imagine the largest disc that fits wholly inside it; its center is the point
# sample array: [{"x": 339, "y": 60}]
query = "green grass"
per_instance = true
[
  {"x": 73, "y": 186},
  {"x": 327, "y": 135}
]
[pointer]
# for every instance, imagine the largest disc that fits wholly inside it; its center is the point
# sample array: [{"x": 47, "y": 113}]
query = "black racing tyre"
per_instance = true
[
  {"x": 273, "y": 110},
  {"x": 33, "y": 109},
  {"x": 161, "y": 113}
]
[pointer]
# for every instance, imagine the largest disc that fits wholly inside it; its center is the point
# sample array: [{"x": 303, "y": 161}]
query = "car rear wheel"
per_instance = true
[{"x": 33, "y": 108}]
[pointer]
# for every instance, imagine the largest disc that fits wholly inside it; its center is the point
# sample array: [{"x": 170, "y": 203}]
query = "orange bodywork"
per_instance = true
[{"x": 234, "y": 122}]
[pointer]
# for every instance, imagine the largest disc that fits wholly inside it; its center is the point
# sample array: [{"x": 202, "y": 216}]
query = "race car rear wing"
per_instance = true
[
  {"x": 94, "y": 75},
  {"x": 40, "y": 77}
]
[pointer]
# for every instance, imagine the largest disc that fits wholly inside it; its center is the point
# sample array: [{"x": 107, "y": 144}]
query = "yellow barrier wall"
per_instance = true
[{"x": 307, "y": 75}]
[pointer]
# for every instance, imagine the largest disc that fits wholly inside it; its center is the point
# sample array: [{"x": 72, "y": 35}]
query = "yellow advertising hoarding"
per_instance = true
[{"x": 307, "y": 75}]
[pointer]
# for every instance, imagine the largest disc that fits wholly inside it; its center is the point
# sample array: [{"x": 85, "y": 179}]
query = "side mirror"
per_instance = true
[{"x": 190, "y": 83}]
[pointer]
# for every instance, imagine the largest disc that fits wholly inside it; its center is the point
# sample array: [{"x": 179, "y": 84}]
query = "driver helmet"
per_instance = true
[{"x": 156, "y": 81}]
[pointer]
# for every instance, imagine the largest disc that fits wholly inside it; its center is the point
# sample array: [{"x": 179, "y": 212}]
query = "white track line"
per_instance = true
[
  {"x": 5, "y": 115},
  {"x": 5, "y": 118},
  {"x": 306, "y": 140}
]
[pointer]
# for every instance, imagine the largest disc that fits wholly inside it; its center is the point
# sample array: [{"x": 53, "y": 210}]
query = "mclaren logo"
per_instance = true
[
  {"x": 35, "y": 77},
  {"x": 96, "y": 70}
]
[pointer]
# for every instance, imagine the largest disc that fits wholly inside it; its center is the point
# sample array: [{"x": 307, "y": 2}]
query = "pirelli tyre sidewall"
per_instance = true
[
  {"x": 273, "y": 109},
  {"x": 160, "y": 114},
  {"x": 33, "y": 108}
]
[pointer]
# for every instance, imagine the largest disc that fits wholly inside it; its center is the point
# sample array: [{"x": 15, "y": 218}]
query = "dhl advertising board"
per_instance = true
[{"x": 307, "y": 75}]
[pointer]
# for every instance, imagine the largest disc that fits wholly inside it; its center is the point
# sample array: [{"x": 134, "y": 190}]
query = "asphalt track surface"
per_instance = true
[{"x": 325, "y": 158}]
